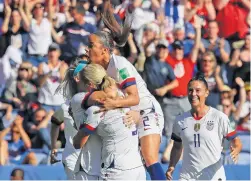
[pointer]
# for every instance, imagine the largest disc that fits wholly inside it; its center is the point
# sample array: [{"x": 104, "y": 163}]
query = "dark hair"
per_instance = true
[
  {"x": 213, "y": 21},
  {"x": 199, "y": 77},
  {"x": 17, "y": 172},
  {"x": 69, "y": 85},
  {"x": 115, "y": 31}
]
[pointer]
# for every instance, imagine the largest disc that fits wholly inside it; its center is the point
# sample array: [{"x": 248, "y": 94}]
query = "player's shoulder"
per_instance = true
[
  {"x": 218, "y": 115},
  {"x": 92, "y": 109},
  {"x": 77, "y": 98},
  {"x": 120, "y": 61},
  {"x": 183, "y": 116}
]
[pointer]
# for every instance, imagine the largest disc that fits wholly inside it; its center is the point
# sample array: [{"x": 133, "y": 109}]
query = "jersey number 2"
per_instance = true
[{"x": 196, "y": 138}]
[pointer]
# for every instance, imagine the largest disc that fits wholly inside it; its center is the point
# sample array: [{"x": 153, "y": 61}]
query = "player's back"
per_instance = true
[
  {"x": 119, "y": 143},
  {"x": 124, "y": 72},
  {"x": 90, "y": 154}
]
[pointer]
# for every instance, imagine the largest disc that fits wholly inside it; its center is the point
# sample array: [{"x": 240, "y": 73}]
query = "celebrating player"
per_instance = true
[
  {"x": 201, "y": 131},
  {"x": 87, "y": 165},
  {"x": 70, "y": 154},
  {"x": 121, "y": 158},
  {"x": 101, "y": 45}
]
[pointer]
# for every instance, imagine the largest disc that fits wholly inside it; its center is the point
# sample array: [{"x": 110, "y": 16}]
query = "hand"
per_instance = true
[
  {"x": 239, "y": 82},
  {"x": 33, "y": 127},
  {"x": 53, "y": 157},
  {"x": 208, "y": 2},
  {"x": 234, "y": 154},
  {"x": 8, "y": 116},
  {"x": 16, "y": 100},
  {"x": 198, "y": 22},
  {"x": 222, "y": 43},
  {"x": 62, "y": 126},
  {"x": 51, "y": 112},
  {"x": 131, "y": 117},
  {"x": 19, "y": 121},
  {"x": 217, "y": 71},
  {"x": 160, "y": 91},
  {"x": 7, "y": 8},
  {"x": 108, "y": 104},
  {"x": 130, "y": 37},
  {"x": 21, "y": 4},
  {"x": 169, "y": 173}
]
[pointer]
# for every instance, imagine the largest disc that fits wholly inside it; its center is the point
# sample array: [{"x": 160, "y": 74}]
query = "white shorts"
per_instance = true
[
  {"x": 81, "y": 175},
  {"x": 152, "y": 120},
  {"x": 138, "y": 173}
]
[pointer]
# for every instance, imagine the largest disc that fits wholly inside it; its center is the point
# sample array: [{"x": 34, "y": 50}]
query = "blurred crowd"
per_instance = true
[{"x": 170, "y": 41}]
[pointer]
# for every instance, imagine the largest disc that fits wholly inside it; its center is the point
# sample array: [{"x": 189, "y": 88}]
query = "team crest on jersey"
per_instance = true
[
  {"x": 197, "y": 127},
  {"x": 123, "y": 73},
  {"x": 210, "y": 125}
]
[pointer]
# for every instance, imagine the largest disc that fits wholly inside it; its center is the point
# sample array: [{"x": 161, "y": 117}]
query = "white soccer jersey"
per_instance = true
[
  {"x": 124, "y": 73},
  {"x": 119, "y": 144},
  {"x": 70, "y": 154},
  {"x": 90, "y": 155},
  {"x": 202, "y": 142}
]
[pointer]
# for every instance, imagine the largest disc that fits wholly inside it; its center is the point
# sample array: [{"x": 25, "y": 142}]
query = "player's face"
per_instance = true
[
  {"x": 111, "y": 91},
  {"x": 197, "y": 93},
  {"x": 96, "y": 50}
]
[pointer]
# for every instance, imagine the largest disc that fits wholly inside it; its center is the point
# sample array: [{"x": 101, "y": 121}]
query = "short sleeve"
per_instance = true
[
  {"x": 126, "y": 75},
  {"x": 227, "y": 130},
  {"x": 170, "y": 75},
  {"x": 92, "y": 120},
  {"x": 176, "y": 132}
]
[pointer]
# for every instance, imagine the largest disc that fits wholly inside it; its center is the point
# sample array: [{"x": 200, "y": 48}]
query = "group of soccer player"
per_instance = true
[{"x": 109, "y": 112}]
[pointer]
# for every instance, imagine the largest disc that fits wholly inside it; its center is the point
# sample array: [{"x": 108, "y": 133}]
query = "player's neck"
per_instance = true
[{"x": 199, "y": 111}]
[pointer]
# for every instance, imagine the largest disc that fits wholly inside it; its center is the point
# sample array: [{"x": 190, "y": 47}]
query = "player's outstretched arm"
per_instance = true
[
  {"x": 174, "y": 158},
  {"x": 235, "y": 148}
]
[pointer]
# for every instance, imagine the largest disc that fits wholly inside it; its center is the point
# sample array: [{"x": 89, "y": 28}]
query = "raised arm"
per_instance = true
[
  {"x": 218, "y": 79},
  {"x": 196, "y": 47},
  {"x": 220, "y": 4},
  {"x": 26, "y": 22},
  {"x": 210, "y": 9},
  {"x": 242, "y": 97},
  {"x": 7, "y": 14}
]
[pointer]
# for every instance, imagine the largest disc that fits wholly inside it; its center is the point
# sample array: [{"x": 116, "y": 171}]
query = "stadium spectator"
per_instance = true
[
  {"x": 7, "y": 108},
  {"x": 228, "y": 107},
  {"x": 241, "y": 60},
  {"x": 183, "y": 71},
  {"x": 244, "y": 123},
  {"x": 38, "y": 129},
  {"x": 232, "y": 17},
  {"x": 212, "y": 75},
  {"x": 15, "y": 27},
  {"x": 75, "y": 33},
  {"x": 39, "y": 33},
  {"x": 16, "y": 151},
  {"x": 17, "y": 174},
  {"x": 219, "y": 46},
  {"x": 159, "y": 77},
  {"x": 50, "y": 74},
  {"x": 22, "y": 90}
]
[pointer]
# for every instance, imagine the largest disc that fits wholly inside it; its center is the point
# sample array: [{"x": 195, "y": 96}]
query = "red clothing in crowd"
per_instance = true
[
  {"x": 232, "y": 20},
  {"x": 183, "y": 70}
]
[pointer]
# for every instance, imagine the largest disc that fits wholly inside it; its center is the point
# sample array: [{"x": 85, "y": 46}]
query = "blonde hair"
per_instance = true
[
  {"x": 212, "y": 57},
  {"x": 96, "y": 74}
]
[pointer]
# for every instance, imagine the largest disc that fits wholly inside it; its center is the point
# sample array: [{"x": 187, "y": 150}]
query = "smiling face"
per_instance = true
[{"x": 197, "y": 93}]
